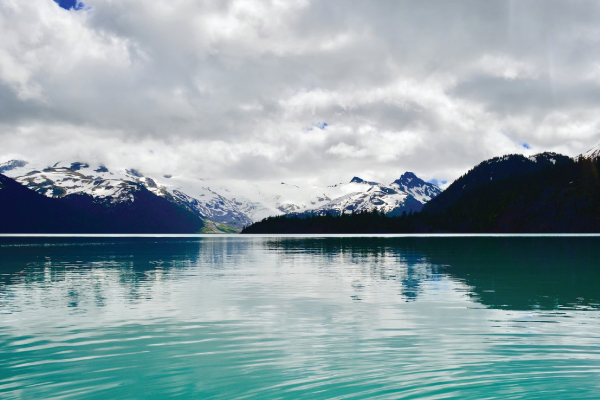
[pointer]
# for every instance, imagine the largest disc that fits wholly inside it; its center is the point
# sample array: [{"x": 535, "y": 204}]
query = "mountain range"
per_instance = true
[
  {"x": 547, "y": 192},
  {"x": 543, "y": 193},
  {"x": 220, "y": 206}
]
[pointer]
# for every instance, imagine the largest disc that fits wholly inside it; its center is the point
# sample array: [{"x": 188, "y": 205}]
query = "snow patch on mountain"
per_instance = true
[
  {"x": 543, "y": 156},
  {"x": 258, "y": 200},
  {"x": 416, "y": 187},
  {"x": 592, "y": 153},
  {"x": 376, "y": 197},
  {"x": 63, "y": 179}
]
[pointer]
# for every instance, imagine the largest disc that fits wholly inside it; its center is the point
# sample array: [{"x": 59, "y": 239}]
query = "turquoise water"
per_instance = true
[{"x": 300, "y": 318}]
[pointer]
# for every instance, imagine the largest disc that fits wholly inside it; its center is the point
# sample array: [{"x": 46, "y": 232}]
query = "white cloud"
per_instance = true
[
  {"x": 506, "y": 67},
  {"x": 344, "y": 151}
]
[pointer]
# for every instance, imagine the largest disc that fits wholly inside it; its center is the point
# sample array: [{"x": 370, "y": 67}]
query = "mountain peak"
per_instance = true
[
  {"x": 409, "y": 179},
  {"x": 417, "y": 187},
  {"x": 356, "y": 179}
]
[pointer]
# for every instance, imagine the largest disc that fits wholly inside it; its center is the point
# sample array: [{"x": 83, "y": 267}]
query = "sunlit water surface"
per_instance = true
[{"x": 300, "y": 318}]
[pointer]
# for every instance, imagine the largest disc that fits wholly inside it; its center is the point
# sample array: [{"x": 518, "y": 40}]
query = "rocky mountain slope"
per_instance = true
[{"x": 422, "y": 191}]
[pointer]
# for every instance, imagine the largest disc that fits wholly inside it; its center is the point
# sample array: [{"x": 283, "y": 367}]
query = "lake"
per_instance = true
[{"x": 242, "y": 317}]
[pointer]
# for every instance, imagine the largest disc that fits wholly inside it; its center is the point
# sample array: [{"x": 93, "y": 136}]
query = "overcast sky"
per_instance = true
[{"x": 298, "y": 90}]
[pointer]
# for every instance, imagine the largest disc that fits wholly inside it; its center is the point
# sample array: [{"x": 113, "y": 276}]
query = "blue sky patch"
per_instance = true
[
  {"x": 320, "y": 125},
  {"x": 525, "y": 145},
  {"x": 437, "y": 182},
  {"x": 70, "y": 4}
]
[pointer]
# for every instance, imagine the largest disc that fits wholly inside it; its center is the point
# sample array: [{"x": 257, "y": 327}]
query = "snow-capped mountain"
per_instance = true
[
  {"x": 230, "y": 202},
  {"x": 25, "y": 211},
  {"x": 592, "y": 153},
  {"x": 62, "y": 179},
  {"x": 379, "y": 197},
  {"x": 418, "y": 188},
  {"x": 117, "y": 186},
  {"x": 366, "y": 196}
]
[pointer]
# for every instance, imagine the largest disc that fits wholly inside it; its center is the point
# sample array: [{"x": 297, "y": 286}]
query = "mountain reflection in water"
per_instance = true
[{"x": 520, "y": 273}]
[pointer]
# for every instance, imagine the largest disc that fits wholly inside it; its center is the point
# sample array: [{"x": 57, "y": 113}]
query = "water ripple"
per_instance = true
[{"x": 339, "y": 318}]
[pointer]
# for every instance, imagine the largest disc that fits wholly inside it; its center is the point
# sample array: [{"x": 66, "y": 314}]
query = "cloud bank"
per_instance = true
[{"x": 297, "y": 89}]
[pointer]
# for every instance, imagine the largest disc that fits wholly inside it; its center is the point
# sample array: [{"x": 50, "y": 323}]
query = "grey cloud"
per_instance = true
[
  {"x": 528, "y": 96},
  {"x": 229, "y": 88}
]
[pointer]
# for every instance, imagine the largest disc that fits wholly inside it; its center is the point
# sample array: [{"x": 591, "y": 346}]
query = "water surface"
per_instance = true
[{"x": 303, "y": 318}]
